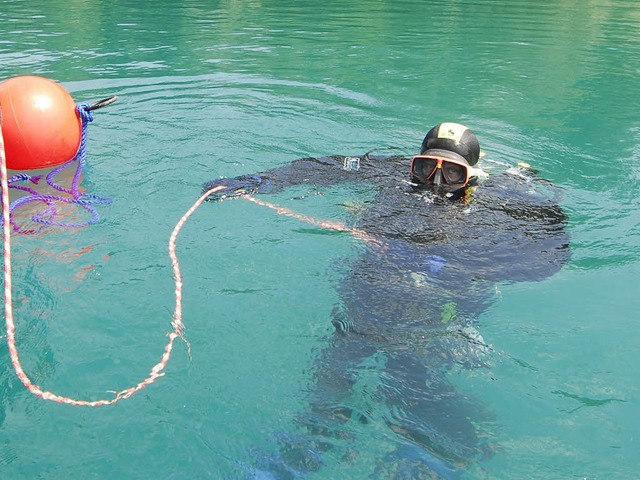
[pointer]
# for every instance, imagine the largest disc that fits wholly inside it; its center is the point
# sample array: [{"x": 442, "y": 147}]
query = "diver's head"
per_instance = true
[{"x": 448, "y": 153}]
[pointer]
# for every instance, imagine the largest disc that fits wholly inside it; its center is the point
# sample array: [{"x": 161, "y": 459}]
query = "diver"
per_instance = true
[{"x": 451, "y": 233}]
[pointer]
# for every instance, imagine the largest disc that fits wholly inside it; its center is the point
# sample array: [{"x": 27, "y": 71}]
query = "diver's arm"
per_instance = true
[{"x": 323, "y": 171}]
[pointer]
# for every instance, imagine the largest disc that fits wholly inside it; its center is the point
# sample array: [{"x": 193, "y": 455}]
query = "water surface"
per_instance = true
[{"x": 216, "y": 89}]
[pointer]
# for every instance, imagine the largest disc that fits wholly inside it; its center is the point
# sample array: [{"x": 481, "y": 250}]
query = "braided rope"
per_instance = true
[
  {"x": 157, "y": 370},
  {"x": 86, "y": 117},
  {"x": 75, "y": 196},
  {"x": 325, "y": 224},
  {"x": 178, "y": 326}
]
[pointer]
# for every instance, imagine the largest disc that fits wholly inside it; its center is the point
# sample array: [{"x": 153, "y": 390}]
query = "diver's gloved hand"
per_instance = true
[{"x": 233, "y": 186}]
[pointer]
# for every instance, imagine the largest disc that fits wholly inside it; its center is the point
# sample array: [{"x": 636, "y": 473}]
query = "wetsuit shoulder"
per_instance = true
[{"x": 529, "y": 238}]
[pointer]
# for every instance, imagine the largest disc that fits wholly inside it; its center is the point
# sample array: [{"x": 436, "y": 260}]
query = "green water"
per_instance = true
[{"x": 212, "y": 89}]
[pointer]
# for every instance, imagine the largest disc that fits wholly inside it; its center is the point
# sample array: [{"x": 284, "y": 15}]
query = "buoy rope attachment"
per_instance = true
[{"x": 71, "y": 195}]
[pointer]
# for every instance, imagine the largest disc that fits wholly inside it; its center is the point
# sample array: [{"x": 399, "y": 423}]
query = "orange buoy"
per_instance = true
[{"x": 40, "y": 125}]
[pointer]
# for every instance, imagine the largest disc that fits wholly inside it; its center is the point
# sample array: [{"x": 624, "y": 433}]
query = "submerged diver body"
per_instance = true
[{"x": 449, "y": 235}]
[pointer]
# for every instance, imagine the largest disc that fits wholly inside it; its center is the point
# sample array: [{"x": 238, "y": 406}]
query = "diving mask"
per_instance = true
[{"x": 441, "y": 167}]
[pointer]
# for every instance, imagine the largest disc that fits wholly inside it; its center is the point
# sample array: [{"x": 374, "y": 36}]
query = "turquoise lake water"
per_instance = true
[{"x": 222, "y": 88}]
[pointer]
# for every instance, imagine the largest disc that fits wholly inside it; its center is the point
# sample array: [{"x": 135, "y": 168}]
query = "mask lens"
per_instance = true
[
  {"x": 454, "y": 173},
  {"x": 424, "y": 167}
]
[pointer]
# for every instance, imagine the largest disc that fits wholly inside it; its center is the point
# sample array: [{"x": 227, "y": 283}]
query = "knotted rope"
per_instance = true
[{"x": 74, "y": 196}]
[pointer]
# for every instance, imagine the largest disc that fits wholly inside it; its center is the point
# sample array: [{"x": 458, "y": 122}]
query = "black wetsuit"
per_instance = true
[{"x": 413, "y": 301}]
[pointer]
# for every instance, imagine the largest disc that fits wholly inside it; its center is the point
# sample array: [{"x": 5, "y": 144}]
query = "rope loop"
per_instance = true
[
  {"x": 157, "y": 371},
  {"x": 178, "y": 328}
]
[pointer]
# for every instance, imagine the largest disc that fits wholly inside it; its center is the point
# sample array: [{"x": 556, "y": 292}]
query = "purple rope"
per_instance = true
[
  {"x": 80, "y": 157},
  {"x": 85, "y": 201}
]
